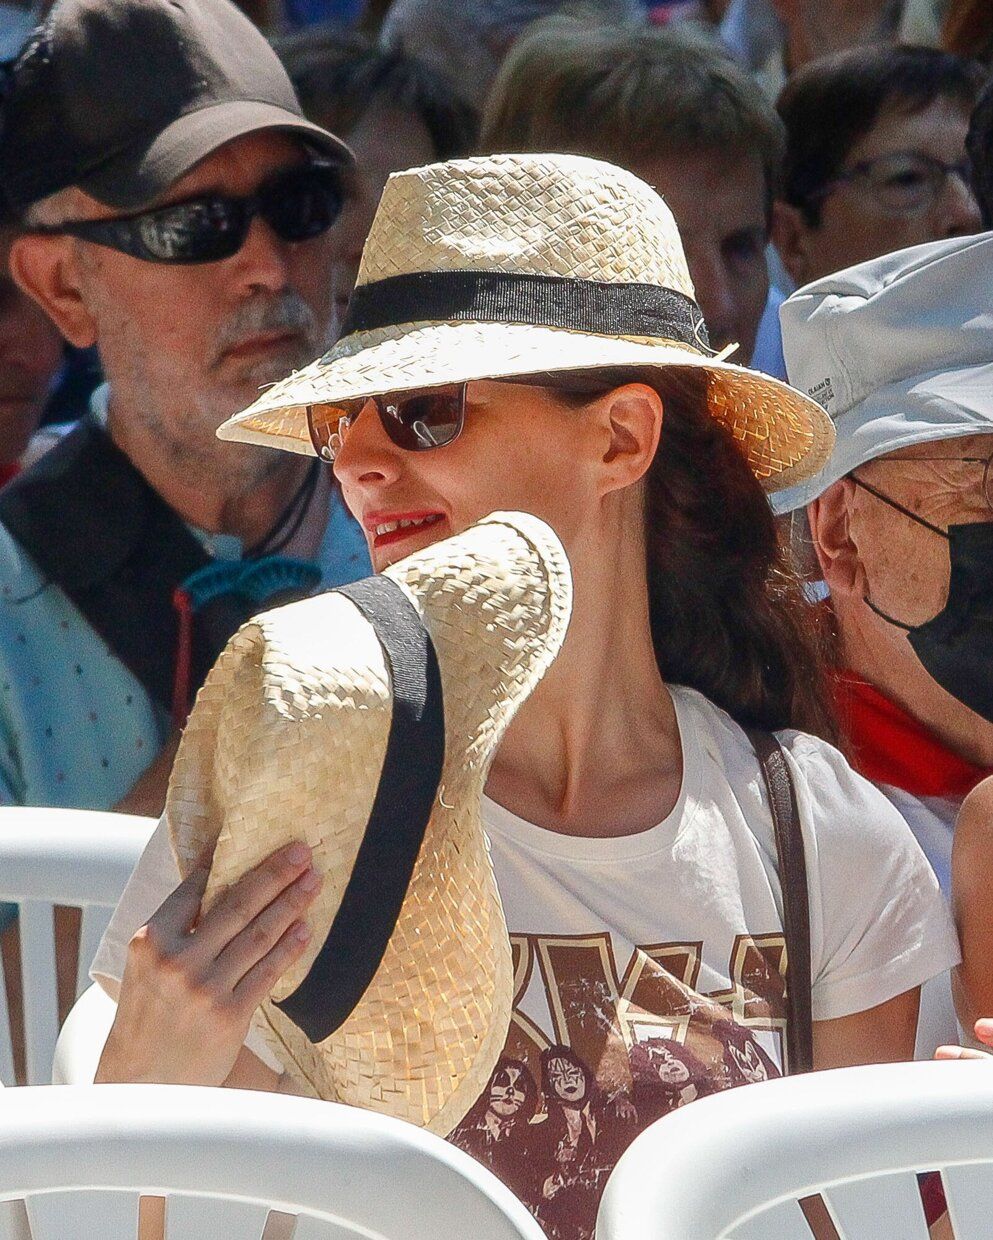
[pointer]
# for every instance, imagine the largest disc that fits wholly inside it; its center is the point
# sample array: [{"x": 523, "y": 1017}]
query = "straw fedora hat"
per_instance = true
[
  {"x": 363, "y": 721},
  {"x": 509, "y": 265}
]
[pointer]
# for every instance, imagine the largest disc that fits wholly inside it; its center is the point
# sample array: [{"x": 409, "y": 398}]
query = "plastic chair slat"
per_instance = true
[
  {"x": 41, "y": 1016},
  {"x": 107, "y": 1215},
  {"x": 76, "y": 858},
  {"x": 81, "y": 1040},
  {"x": 68, "y": 856},
  {"x": 14, "y": 1223},
  {"x": 95, "y": 922},
  {"x": 6, "y": 1046},
  {"x": 969, "y": 1192},
  {"x": 310, "y": 1228},
  {"x": 784, "y": 1221},
  {"x": 192, "y": 1218},
  {"x": 857, "y": 1136},
  {"x": 385, "y": 1178},
  {"x": 857, "y": 1207}
]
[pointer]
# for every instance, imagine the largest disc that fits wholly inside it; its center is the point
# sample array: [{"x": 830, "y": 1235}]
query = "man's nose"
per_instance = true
[
  {"x": 263, "y": 260},
  {"x": 959, "y": 213},
  {"x": 715, "y": 296}
]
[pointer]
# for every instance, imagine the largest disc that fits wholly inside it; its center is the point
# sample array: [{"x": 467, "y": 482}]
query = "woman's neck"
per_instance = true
[{"x": 595, "y": 750}]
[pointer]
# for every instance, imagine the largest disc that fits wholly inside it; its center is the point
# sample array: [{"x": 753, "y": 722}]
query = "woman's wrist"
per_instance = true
[{"x": 127, "y": 1061}]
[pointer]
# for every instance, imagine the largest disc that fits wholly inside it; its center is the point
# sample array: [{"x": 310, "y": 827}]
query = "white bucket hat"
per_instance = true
[
  {"x": 511, "y": 265},
  {"x": 898, "y": 350}
]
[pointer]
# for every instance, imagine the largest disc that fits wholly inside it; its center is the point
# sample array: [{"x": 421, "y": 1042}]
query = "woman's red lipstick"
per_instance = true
[{"x": 391, "y": 527}]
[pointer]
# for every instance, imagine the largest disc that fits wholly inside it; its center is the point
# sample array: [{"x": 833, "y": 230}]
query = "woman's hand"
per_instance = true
[
  {"x": 190, "y": 986},
  {"x": 983, "y": 1030}
]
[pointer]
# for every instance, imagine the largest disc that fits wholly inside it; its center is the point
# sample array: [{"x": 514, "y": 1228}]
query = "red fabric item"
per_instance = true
[
  {"x": 9, "y": 471},
  {"x": 181, "y": 704},
  {"x": 889, "y": 746}
]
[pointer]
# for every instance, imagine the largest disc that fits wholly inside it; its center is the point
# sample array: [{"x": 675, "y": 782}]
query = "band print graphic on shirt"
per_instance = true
[{"x": 616, "y": 1051}]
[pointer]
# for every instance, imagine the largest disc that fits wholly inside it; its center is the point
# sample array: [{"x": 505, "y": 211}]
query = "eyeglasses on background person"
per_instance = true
[
  {"x": 901, "y": 183},
  {"x": 984, "y": 470},
  {"x": 297, "y": 204},
  {"x": 891, "y": 123}
]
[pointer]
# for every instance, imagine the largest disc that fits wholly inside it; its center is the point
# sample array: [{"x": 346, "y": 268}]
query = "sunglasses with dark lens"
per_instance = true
[
  {"x": 414, "y": 421},
  {"x": 434, "y": 417},
  {"x": 298, "y": 205}
]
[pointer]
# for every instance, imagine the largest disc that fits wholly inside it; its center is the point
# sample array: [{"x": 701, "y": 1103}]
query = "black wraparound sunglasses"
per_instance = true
[{"x": 297, "y": 204}]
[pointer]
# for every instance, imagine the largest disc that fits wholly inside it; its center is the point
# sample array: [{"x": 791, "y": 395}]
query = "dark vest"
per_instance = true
[{"x": 95, "y": 528}]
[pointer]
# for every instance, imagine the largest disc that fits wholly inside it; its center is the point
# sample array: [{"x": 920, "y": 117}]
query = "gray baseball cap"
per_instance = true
[
  {"x": 122, "y": 97},
  {"x": 898, "y": 350}
]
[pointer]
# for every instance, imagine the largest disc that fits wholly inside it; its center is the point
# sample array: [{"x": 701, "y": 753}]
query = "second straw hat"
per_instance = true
[
  {"x": 363, "y": 721},
  {"x": 510, "y": 265}
]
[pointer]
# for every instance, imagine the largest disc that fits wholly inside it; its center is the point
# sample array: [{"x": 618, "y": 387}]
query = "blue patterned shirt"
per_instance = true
[{"x": 77, "y": 728}]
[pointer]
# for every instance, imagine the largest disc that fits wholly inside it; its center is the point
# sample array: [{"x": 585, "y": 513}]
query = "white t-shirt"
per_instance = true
[{"x": 648, "y": 967}]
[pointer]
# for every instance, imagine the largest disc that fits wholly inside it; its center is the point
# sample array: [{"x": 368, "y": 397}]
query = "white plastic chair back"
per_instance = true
[
  {"x": 48, "y": 857},
  {"x": 82, "y": 1038},
  {"x": 733, "y": 1166},
  {"x": 224, "y": 1158}
]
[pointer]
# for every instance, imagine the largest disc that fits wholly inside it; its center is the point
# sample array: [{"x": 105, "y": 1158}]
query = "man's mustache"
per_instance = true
[{"x": 287, "y": 312}]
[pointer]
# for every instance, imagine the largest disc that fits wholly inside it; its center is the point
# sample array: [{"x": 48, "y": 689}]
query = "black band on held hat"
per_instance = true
[
  {"x": 539, "y": 301},
  {"x": 415, "y": 752}
]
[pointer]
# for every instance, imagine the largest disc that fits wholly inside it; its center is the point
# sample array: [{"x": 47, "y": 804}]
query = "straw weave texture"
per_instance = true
[
  {"x": 287, "y": 741},
  {"x": 544, "y": 215},
  {"x": 509, "y": 213}
]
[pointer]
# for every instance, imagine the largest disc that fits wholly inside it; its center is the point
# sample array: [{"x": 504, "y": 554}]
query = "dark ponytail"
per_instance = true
[{"x": 728, "y": 613}]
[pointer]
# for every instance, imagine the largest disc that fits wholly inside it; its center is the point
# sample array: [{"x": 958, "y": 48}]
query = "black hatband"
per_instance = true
[
  {"x": 538, "y": 301},
  {"x": 415, "y": 753}
]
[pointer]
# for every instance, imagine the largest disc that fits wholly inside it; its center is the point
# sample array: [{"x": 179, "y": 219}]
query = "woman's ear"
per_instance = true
[
  {"x": 631, "y": 423},
  {"x": 836, "y": 547},
  {"x": 791, "y": 237},
  {"x": 48, "y": 270}
]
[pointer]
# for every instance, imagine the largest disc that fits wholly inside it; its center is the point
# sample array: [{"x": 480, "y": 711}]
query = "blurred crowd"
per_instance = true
[
  {"x": 790, "y": 140},
  {"x": 827, "y": 162}
]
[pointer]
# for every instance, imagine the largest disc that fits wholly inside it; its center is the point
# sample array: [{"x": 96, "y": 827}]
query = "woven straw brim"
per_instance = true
[
  {"x": 785, "y": 436},
  {"x": 286, "y": 741}
]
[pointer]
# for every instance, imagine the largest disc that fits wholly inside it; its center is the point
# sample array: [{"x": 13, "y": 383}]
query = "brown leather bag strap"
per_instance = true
[{"x": 796, "y": 906}]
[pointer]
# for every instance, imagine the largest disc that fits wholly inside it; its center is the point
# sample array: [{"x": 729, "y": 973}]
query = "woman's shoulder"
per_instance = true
[
  {"x": 812, "y": 757},
  {"x": 835, "y": 801}
]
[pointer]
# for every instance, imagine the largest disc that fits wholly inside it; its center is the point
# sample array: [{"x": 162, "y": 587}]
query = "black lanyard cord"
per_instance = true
[{"x": 290, "y": 519}]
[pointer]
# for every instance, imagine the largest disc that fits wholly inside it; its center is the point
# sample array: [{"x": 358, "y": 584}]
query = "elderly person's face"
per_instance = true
[
  {"x": 719, "y": 202},
  {"x": 187, "y": 346},
  {"x": 883, "y": 202},
  {"x": 869, "y": 550}
]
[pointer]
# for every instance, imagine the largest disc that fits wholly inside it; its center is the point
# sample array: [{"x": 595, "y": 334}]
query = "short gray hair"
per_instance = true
[{"x": 54, "y": 210}]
